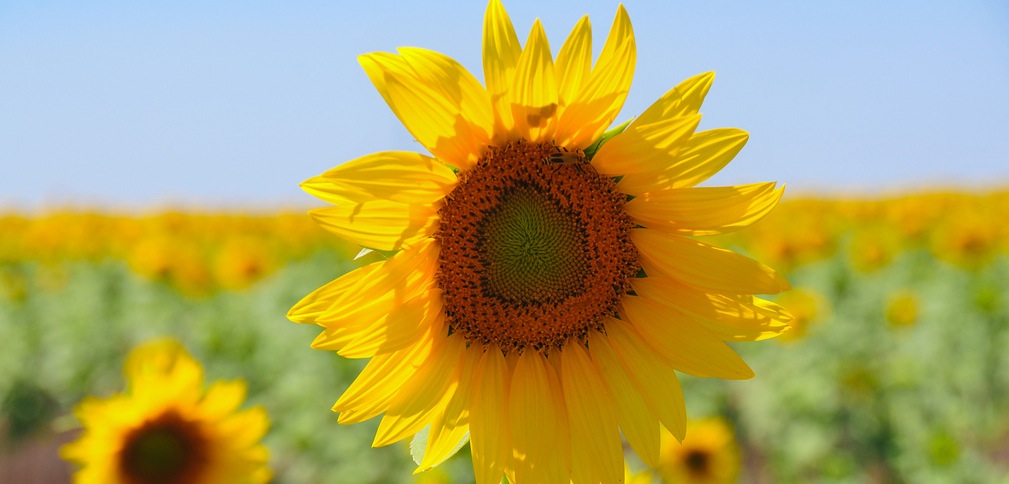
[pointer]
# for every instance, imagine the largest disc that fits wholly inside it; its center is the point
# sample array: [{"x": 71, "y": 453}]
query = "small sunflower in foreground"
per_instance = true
[
  {"x": 165, "y": 429},
  {"x": 708, "y": 454},
  {"x": 545, "y": 285}
]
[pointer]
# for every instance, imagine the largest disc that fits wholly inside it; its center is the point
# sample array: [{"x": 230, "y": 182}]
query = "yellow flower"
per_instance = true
[
  {"x": 902, "y": 309},
  {"x": 166, "y": 429},
  {"x": 707, "y": 455},
  {"x": 806, "y": 307},
  {"x": 516, "y": 308},
  {"x": 242, "y": 262}
]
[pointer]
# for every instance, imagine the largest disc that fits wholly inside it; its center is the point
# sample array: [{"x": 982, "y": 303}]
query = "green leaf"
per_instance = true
[
  {"x": 419, "y": 444},
  {"x": 594, "y": 147}
]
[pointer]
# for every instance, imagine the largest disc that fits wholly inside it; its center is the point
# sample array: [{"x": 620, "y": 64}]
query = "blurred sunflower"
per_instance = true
[
  {"x": 545, "y": 286},
  {"x": 164, "y": 429},
  {"x": 708, "y": 454}
]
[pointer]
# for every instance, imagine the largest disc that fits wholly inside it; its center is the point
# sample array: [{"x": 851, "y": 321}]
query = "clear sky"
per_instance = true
[{"x": 233, "y": 103}]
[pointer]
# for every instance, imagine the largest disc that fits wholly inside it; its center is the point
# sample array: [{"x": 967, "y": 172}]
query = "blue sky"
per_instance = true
[{"x": 232, "y": 104}]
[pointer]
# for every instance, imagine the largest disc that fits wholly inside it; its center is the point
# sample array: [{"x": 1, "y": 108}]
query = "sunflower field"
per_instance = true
[{"x": 895, "y": 369}]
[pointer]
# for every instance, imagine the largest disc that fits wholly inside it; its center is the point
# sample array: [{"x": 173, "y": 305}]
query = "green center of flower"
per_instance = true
[
  {"x": 165, "y": 450},
  {"x": 535, "y": 249}
]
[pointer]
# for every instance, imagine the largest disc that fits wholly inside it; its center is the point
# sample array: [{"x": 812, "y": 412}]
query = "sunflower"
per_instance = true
[
  {"x": 165, "y": 430},
  {"x": 544, "y": 285},
  {"x": 708, "y": 454}
]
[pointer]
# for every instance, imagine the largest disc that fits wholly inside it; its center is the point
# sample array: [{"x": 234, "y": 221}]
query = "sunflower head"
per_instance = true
[
  {"x": 708, "y": 454},
  {"x": 545, "y": 282},
  {"x": 166, "y": 429}
]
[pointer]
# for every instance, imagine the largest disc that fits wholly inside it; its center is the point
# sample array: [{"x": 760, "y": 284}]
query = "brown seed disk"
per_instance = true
[
  {"x": 535, "y": 249},
  {"x": 167, "y": 449}
]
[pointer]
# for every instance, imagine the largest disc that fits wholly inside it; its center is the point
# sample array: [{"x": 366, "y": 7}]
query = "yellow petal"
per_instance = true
[
  {"x": 390, "y": 308},
  {"x": 383, "y": 376},
  {"x": 704, "y": 211},
  {"x": 395, "y": 328},
  {"x": 689, "y": 347},
  {"x": 701, "y": 156},
  {"x": 245, "y": 428},
  {"x": 379, "y": 224},
  {"x": 426, "y": 394},
  {"x": 596, "y": 450},
  {"x": 436, "y": 99},
  {"x": 456, "y": 83},
  {"x": 377, "y": 64},
  {"x": 683, "y": 100},
  {"x": 397, "y": 176},
  {"x": 653, "y": 377},
  {"x": 645, "y": 148},
  {"x": 490, "y": 438},
  {"x": 501, "y": 53},
  {"x": 319, "y": 301},
  {"x": 537, "y": 421},
  {"x": 637, "y": 422},
  {"x": 704, "y": 266},
  {"x": 595, "y": 107},
  {"x": 452, "y": 426},
  {"x": 534, "y": 95},
  {"x": 731, "y": 318},
  {"x": 222, "y": 398},
  {"x": 163, "y": 369},
  {"x": 574, "y": 61}
]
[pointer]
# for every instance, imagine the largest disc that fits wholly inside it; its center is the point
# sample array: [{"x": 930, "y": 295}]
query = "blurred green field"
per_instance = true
[{"x": 897, "y": 371}]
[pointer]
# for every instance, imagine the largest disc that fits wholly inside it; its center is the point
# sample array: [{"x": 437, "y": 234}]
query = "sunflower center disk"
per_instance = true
[
  {"x": 534, "y": 251},
  {"x": 166, "y": 450}
]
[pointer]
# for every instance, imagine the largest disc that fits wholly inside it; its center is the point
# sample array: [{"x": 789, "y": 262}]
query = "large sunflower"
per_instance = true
[
  {"x": 545, "y": 284},
  {"x": 165, "y": 430}
]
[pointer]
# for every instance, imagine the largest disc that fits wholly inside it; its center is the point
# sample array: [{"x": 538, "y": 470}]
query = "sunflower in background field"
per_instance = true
[
  {"x": 167, "y": 429},
  {"x": 806, "y": 307},
  {"x": 545, "y": 284},
  {"x": 708, "y": 454},
  {"x": 902, "y": 308}
]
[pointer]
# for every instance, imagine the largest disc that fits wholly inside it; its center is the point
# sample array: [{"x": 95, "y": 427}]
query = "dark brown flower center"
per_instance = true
[
  {"x": 535, "y": 248},
  {"x": 698, "y": 463},
  {"x": 164, "y": 450}
]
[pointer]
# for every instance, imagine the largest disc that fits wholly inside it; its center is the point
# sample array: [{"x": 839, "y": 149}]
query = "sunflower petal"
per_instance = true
[
  {"x": 425, "y": 395},
  {"x": 490, "y": 438},
  {"x": 452, "y": 426},
  {"x": 383, "y": 376},
  {"x": 534, "y": 91},
  {"x": 501, "y": 53},
  {"x": 318, "y": 303},
  {"x": 222, "y": 398},
  {"x": 704, "y": 266},
  {"x": 535, "y": 416},
  {"x": 688, "y": 346},
  {"x": 645, "y": 148},
  {"x": 595, "y": 107},
  {"x": 437, "y": 101},
  {"x": 592, "y": 418},
  {"x": 457, "y": 84},
  {"x": 379, "y": 224},
  {"x": 397, "y": 176},
  {"x": 385, "y": 308},
  {"x": 683, "y": 100},
  {"x": 574, "y": 61},
  {"x": 637, "y": 422},
  {"x": 731, "y": 318},
  {"x": 653, "y": 377},
  {"x": 704, "y": 211},
  {"x": 701, "y": 156}
]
